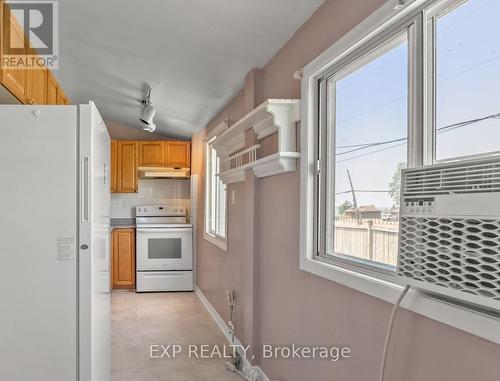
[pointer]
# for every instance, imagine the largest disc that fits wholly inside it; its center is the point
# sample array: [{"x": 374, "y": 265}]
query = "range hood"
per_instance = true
[{"x": 164, "y": 173}]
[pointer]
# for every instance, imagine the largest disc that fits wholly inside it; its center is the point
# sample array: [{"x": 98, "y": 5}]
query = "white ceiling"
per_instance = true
[{"x": 194, "y": 53}]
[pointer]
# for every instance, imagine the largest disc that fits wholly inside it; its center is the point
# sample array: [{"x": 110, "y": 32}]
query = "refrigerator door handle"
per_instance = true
[{"x": 84, "y": 189}]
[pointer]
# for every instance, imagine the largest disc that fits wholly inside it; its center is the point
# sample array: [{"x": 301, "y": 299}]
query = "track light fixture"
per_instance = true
[{"x": 148, "y": 112}]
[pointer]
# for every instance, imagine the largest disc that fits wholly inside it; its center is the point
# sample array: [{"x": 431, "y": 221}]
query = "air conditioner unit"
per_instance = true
[{"x": 449, "y": 240}]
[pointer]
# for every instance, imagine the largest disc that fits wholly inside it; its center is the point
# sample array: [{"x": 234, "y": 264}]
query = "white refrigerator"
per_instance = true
[{"x": 54, "y": 244}]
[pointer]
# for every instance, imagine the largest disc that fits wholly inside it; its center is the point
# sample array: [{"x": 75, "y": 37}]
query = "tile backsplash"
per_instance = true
[{"x": 151, "y": 192}]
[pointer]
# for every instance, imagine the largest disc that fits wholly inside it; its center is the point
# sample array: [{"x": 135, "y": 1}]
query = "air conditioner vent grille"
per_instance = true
[
  {"x": 453, "y": 178},
  {"x": 456, "y": 253}
]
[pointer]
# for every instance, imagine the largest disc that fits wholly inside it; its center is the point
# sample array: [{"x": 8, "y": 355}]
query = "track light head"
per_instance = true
[
  {"x": 149, "y": 127},
  {"x": 148, "y": 112}
]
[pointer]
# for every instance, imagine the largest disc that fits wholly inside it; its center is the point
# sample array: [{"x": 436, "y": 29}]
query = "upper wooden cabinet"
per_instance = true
[
  {"x": 128, "y": 156},
  {"x": 167, "y": 153},
  {"x": 61, "y": 97},
  {"x": 178, "y": 154},
  {"x": 114, "y": 167},
  {"x": 37, "y": 93},
  {"x": 29, "y": 86},
  {"x": 52, "y": 88},
  {"x": 14, "y": 80},
  {"x": 126, "y": 167},
  {"x": 151, "y": 154}
]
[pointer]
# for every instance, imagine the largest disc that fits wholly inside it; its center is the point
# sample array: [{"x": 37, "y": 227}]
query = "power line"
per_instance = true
[
  {"x": 369, "y": 153},
  {"x": 450, "y": 127},
  {"x": 479, "y": 64},
  {"x": 471, "y": 68},
  {"x": 372, "y": 109},
  {"x": 369, "y": 145}
]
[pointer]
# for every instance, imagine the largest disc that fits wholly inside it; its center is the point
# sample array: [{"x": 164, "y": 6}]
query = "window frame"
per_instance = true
[
  {"x": 355, "y": 275},
  {"x": 211, "y": 200},
  {"x": 375, "y": 46}
]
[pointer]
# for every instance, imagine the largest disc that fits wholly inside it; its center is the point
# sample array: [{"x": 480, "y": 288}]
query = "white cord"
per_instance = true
[{"x": 389, "y": 331}]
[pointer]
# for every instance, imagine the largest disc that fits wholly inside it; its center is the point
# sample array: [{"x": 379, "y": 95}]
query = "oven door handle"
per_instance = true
[{"x": 164, "y": 230}]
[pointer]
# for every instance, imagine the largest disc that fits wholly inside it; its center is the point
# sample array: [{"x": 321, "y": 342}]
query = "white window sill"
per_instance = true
[
  {"x": 221, "y": 244},
  {"x": 468, "y": 320}
]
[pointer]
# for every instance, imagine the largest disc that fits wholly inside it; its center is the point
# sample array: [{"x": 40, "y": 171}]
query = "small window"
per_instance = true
[
  {"x": 215, "y": 191},
  {"x": 467, "y": 82},
  {"x": 365, "y": 147}
]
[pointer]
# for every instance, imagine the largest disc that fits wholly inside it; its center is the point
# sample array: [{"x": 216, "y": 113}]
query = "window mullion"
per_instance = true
[
  {"x": 416, "y": 120},
  {"x": 429, "y": 38}
]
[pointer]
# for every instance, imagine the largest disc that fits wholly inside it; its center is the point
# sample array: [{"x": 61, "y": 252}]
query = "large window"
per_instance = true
[
  {"x": 366, "y": 147},
  {"x": 424, "y": 88},
  {"x": 215, "y": 202}
]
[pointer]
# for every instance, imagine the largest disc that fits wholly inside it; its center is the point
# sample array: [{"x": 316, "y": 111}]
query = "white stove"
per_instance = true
[{"x": 164, "y": 250}]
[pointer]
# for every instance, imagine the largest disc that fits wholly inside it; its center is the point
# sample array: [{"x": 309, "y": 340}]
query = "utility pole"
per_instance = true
[{"x": 354, "y": 202}]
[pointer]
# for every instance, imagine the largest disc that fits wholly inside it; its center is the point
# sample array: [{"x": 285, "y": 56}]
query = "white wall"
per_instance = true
[{"x": 151, "y": 192}]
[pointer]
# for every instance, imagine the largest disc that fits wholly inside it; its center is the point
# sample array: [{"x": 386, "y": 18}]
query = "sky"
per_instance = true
[{"x": 371, "y": 103}]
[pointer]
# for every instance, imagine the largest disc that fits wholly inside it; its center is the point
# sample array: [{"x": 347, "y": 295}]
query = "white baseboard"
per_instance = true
[{"x": 251, "y": 373}]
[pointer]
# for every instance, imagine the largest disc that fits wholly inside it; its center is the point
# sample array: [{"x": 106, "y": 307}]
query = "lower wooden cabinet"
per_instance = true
[{"x": 123, "y": 253}]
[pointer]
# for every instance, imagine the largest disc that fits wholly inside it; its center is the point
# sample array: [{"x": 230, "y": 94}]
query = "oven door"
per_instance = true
[{"x": 164, "y": 249}]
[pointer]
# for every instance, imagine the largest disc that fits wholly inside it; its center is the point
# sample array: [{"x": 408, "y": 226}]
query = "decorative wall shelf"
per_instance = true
[
  {"x": 275, "y": 164},
  {"x": 273, "y": 116},
  {"x": 233, "y": 168}
]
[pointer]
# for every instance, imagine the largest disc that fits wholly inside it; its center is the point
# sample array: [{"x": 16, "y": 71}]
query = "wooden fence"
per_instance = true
[{"x": 375, "y": 240}]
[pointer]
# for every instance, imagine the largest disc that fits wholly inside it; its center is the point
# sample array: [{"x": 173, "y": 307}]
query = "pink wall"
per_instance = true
[{"x": 278, "y": 303}]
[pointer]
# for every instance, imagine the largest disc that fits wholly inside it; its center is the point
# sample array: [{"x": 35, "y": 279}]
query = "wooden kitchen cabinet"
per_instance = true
[
  {"x": 151, "y": 153},
  {"x": 29, "y": 86},
  {"x": 178, "y": 154},
  {"x": 14, "y": 80},
  {"x": 126, "y": 167},
  {"x": 114, "y": 167},
  {"x": 128, "y": 156},
  {"x": 37, "y": 83},
  {"x": 166, "y": 153},
  {"x": 62, "y": 99},
  {"x": 123, "y": 253},
  {"x": 52, "y": 88}
]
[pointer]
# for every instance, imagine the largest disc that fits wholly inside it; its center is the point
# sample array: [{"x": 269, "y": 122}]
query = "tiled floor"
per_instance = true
[{"x": 142, "y": 320}]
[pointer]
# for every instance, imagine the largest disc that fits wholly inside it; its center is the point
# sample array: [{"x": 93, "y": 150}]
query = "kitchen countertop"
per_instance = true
[{"x": 122, "y": 223}]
